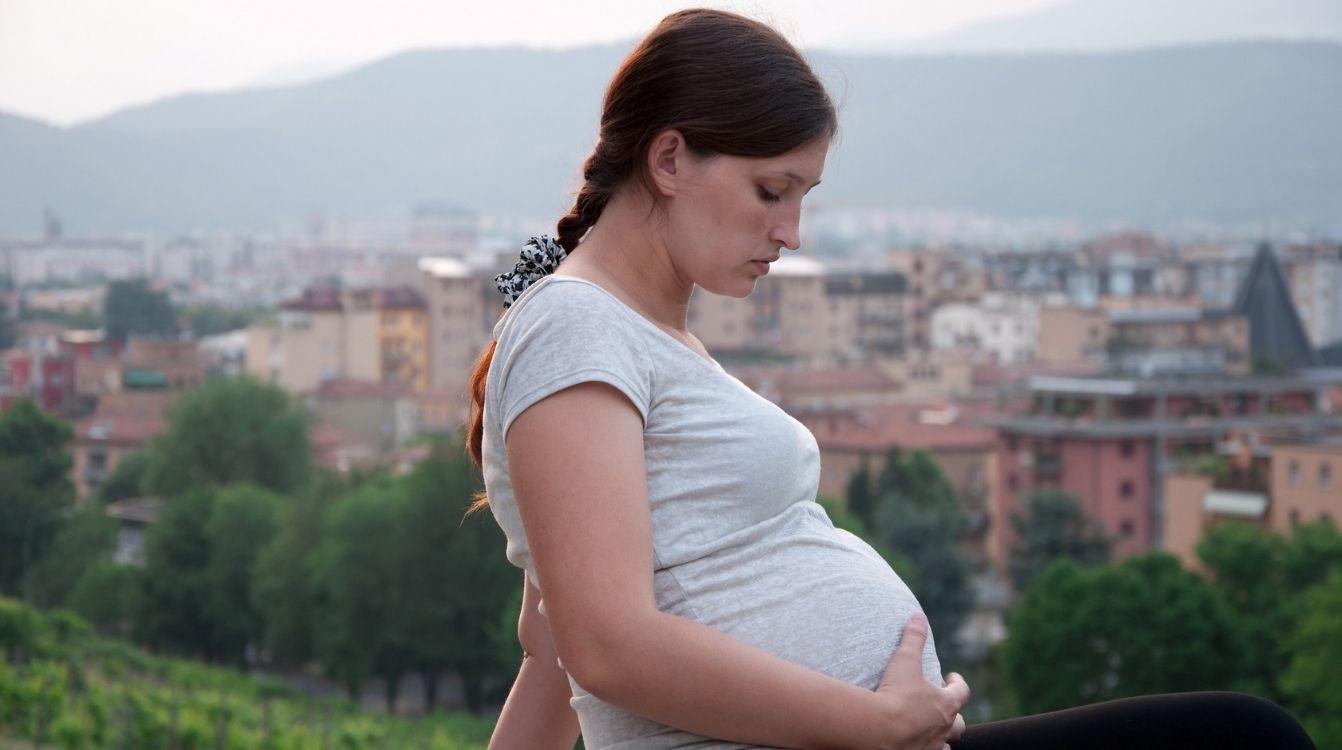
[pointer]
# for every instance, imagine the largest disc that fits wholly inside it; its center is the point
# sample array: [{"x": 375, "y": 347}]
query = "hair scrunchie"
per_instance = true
[{"x": 540, "y": 257}]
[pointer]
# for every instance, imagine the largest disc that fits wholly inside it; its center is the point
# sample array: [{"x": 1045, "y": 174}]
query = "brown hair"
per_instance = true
[{"x": 730, "y": 84}]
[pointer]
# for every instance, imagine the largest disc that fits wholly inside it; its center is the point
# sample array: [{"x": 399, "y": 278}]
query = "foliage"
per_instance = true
[
  {"x": 405, "y": 584},
  {"x": 243, "y": 520},
  {"x": 172, "y": 607},
  {"x": 1082, "y": 635},
  {"x": 918, "y": 515},
  {"x": 89, "y": 535},
  {"x": 127, "y": 479},
  {"x": 1262, "y": 576},
  {"x": 861, "y": 495},
  {"x": 107, "y": 595},
  {"x": 357, "y": 570},
  {"x": 1053, "y": 526},
  {"x": 7, "y": 333},
  {"x": 228, "y": 431},
  {"x": 209, "y": 320},
  {"x": 76, "y": 690},
  {"x": 283, "y": 589},
  {"x": 84, "y": 319},
  {"x": 132, "y": 307},
  {"x": 469, "y": 555},
  {"x": 1315, "y": 644},
  {"x": 35, "y": 490}
]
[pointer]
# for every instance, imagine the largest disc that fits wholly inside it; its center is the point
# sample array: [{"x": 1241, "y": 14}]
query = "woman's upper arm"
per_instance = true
[{"x": 576, "y": 463}]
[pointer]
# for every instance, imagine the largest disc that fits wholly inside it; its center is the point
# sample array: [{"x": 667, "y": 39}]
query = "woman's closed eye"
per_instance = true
[{"x": 768, "y": 196}]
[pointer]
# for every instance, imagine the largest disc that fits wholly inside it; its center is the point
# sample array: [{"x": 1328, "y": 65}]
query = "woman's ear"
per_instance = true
[{"x": 666, "y": 160}]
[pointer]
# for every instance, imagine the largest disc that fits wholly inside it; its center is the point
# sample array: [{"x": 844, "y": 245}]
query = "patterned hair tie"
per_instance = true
[{"x": 540, "y": 257}]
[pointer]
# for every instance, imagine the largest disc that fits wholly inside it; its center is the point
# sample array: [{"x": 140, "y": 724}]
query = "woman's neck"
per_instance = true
[{"x": 627, "y": 256}]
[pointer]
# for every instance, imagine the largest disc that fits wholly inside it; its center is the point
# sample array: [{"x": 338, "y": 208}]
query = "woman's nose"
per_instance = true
[{"x": 787, "y": 236}]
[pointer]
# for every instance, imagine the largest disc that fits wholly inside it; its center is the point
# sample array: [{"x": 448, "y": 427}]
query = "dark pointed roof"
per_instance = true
[
  {"x": 1274, "y": 324},
  {"x": 1331, "y": 354}
]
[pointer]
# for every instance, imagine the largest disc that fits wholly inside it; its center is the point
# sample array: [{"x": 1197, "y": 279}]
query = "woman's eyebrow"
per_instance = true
[
  {"x": 795, "y": 177},
  {"x": 798, "y": 178}
]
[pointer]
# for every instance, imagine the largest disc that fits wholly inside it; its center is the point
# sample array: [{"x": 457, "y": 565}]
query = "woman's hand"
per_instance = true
[{"x": 923, "y": 716}]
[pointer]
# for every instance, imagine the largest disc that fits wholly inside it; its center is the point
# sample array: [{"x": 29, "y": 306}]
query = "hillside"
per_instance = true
[{"x": 1231, "y": 134}]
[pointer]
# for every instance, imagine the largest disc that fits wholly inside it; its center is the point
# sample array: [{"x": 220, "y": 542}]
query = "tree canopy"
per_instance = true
[
  {"x": 231, "y": 430},
  {"x": 1053, "y": 526},
  {"x": 132, "y": 307},
  {"x": 1083, "y": 635}
]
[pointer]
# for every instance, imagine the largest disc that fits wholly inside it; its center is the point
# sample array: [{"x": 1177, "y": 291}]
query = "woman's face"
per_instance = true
[{"x": 730, "y": 215}]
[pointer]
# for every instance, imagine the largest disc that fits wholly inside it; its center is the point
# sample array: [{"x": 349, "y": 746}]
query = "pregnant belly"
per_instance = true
[
  {"x": 800, "y": 589},
  {"x": 806, "y": 591}
]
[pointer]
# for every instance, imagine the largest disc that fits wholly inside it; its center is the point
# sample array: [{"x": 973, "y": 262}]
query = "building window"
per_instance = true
[
  {"x": 1295, "y": 517},
  {"x": 1325, "y": 476},
  {"x": 1125, "y": 489},
  {"x": 1127, "y": 529},
  {"x": 1012, "y": 482},
  {"x": 1126, "y": 448},
  {"x": 1293, "y": 473}
]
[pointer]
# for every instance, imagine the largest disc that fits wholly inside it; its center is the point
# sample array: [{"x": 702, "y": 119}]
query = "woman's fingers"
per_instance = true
[
  {"x": 958, "y": 689},
  {"x": 958, "y": 728}
]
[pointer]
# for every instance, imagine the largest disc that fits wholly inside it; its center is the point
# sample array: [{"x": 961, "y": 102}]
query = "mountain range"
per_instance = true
[
  {"x": 1106, "y": 25},
  {"x": 1230, "y": 134}
]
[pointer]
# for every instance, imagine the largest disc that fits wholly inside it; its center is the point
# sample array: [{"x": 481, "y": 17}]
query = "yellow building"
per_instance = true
[{"x": 403, "y": 337}]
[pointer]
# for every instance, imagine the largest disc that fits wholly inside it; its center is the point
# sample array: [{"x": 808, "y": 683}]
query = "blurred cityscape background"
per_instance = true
[{"x": 1066, "y": 325}]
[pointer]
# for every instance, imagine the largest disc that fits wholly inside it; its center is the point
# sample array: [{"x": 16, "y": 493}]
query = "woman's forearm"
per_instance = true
[
  {"x": 537, "y": 713},
  {"x": 687, "y": 675}
]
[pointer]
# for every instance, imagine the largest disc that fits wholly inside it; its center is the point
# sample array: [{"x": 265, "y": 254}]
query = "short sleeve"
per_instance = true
[{"x": 565, "y": 334}]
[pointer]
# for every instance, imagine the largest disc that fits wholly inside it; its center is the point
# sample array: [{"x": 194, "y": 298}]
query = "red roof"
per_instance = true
[
  {"x": 907, "y": 425},
  {"x": 129, "y": 428},
  {"x": 320, "y": 299},
  {"x": 125, "y": 418},
  {"x": 400, "y": 298}
]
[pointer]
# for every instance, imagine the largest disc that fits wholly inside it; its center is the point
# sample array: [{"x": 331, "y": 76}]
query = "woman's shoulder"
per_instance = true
[{"x": 559, "y": 299}]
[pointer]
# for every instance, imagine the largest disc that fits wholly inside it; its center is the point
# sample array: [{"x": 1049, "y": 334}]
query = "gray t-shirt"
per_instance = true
[{"x": 739, "y": 542}]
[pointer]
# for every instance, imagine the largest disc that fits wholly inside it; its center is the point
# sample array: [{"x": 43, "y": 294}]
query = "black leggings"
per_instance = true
[{"x": 1177, "y": 721}]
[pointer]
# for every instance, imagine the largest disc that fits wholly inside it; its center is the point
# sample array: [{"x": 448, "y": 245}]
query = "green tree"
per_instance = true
[
  {"x": 1311, "y": 552},
  {"x": 88, "y": 537},
  {"x": 133, "y": 307},
  {"x": 1310, "y": 680},
  {"x": 127, "y": 478},
  {"x": 35, "y": 489},
  {"x": 861, "y": 494},
  {"x": 172, "y": 611},
  {"x": 283, "y": 589},
  {"x": 468, "y": 553},
  {"x": 1053, "y": 526},
  {"x": 359, "y": 577},
  {"x": 1083, "y": 635},
  {"x": 7, "y": 333},
  {"x": 107, "y": 595},
  {"x": 208, "y": 320},
  {"x": 1262, "y": 574},
  {"x": 229, "y": 431},
  {"x": 243, "y": 520},
  {"x": 918, "y": 515}
]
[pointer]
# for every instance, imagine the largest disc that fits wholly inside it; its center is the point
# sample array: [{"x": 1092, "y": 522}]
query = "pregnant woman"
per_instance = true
[{"x": 682, "y": 588}]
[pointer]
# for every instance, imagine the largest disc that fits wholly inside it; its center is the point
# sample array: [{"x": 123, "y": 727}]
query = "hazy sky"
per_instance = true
[{"x": 63, "y": 61}]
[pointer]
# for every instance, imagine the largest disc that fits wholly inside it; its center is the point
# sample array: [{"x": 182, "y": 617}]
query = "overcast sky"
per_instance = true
[{"x": 63, "y": 61}]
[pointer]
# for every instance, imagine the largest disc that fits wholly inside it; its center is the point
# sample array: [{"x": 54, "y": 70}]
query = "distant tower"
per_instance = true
[
  {"x": 1275, "y": 329},
  {"x": 51, "y": 226}
]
